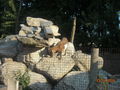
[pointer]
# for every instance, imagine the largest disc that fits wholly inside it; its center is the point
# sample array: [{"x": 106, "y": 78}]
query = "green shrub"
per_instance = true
[{"x": 24, "y": 79}]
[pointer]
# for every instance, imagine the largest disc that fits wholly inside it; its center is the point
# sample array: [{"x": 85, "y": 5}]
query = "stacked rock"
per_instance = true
[
  {"x": 39, "y": 28},
  {"x": 28, "y": 52}
]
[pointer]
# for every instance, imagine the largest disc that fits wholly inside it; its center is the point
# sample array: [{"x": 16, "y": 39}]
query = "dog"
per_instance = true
[{"x": 59, "y": 47}]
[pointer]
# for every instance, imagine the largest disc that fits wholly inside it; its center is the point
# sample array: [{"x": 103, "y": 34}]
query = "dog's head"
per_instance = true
[{"x": 64, "y": 40}]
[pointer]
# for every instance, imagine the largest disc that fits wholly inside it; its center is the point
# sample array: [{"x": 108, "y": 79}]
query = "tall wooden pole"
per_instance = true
[
  {"x": 93, "y": 68},
  {"x": 73, "y": 29}
]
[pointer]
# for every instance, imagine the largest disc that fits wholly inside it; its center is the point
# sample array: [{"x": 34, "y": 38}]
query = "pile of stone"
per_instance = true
[
  {"x": 28, "y": 50},
  {"x": 40, "y": 29}
]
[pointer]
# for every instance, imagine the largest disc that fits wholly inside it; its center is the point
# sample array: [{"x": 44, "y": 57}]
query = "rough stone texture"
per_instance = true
[
  {"x": 22, "y": 33},
  {"x": 31, "y": 58},
  {"x": 4, "y": 60},
  {"x": 8, "y": 48},
  {"x": 54, "y": 67},
  {"x": 75, "y": 80},
  {"x": 38, "y": 22},
  {"x": 33, "y": 42},
  {"x": 35, "y": 57},
  {"x": 8, "y": 70},
  {"x": 10, "y": 37},
  {"x": 27, "y": 31},
  {"x": 38, "y": 82},
  {"x": 82, "y": 60},
  {"x": 53, "y": 41},
  {"x": 55, "y": 30}
]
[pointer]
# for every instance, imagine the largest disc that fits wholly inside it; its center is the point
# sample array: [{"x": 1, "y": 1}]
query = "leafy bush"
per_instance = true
[{"x": 24, "y": 79}]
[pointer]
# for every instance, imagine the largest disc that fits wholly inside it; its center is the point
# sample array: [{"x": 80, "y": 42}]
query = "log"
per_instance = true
[
  {"x": 94, "y": 68},
  {"x": 73, "y": 30}
]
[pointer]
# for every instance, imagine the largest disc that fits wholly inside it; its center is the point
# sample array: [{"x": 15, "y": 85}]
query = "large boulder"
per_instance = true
[
  {"x": 54, "y": 67},
  {"x": 33, "y": 42},
  {"x": 30, "y": 31},
  {"x": 8, "y": 71},
  {"x": 38, "y": 22},
  {"x": 55, "y": 30},
  {"x": 9, "y": 46},
  {"x": 82, "y": 60},
  {"x": 51, "y": 31},
  {"x": 38, "y": 82},
  {"x": 75, "y": 80},
  {"x": 22, "y": 33},
  {"x": 25, "y": 30},
  {"x": 31, "y": 56},
  {"x": 4, "y": 60}
]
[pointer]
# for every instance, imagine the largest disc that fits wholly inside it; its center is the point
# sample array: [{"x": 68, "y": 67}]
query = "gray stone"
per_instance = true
[
  {"x": 51, "y": 31},
  {"x": 38, "y": 82},
  {"x": 38, "y": 37},
  {"x": 8, "y": 71},
  {"x": 31, "y": 58},
  {"x": 38, "y": 22},
  {"x": 9, "y": 47},
  {"x": 54, "y": 67},
  {"x": 82, "y": 60},
  {"x": 4, "y": 60},
  {"x": 75, "y": 80},
  {"x": 48, "y": 32},
  {"x": 33, "y": 42},
  {"x": 30, "y": 35},
  {"x": 55, "y": 30},
  {"x": 22, "y": 33},
  {"x": 26, "y": 29},
  {"x": 53, "y": 41},
  {"x": 11, "y": 37}
]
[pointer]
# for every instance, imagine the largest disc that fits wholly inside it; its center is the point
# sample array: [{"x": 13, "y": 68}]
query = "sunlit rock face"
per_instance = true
[
  {"x": 38, "y": 22},
  {"x": 54, "y": 67},
  {"x": 8, "y": 70}
]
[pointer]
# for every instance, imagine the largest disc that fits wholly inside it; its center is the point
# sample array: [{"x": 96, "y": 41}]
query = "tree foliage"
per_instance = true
[
  {"x": 97, "y": 20},
  {"x": 7, "y": 16}
]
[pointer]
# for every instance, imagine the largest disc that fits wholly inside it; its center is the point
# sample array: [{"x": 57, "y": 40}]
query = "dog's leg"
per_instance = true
[{"x": 64, "y": 51}]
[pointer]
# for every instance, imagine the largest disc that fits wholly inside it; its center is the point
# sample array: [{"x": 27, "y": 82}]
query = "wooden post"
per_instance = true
[
  {"x": 73, "y": 30},
  {"x": 17, "y": 85},
  {"x": 93, "y": 68}
]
